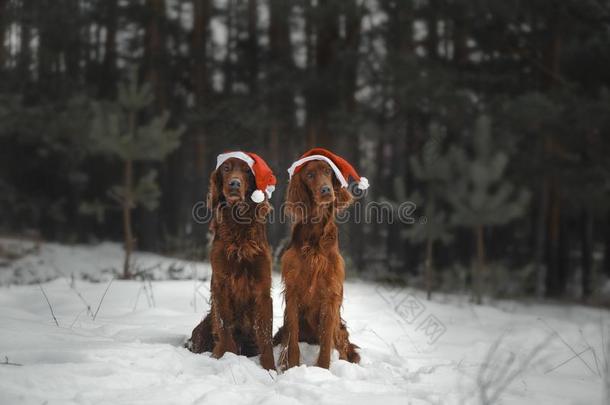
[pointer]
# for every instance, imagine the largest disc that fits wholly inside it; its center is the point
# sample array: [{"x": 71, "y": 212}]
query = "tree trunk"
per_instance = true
[
  {"x": 3, "y": 21},
  {"x": 460, "y": 37},
  {"x": 72, "y": 42},
  {"x": 429, "y": 268},
  {"x": 155, "y": 68},
  {"x": 228, "y": 63},
  {"x": 552, "y": 52},
  {"x": 108, "y": 76},
  {"x": 199, "y": 42},
  {"x": 155, "y": 53},
  {"x": 311, "y": 131},
  {"x": 25, "y": 54},
  {"x": 127, "y": 206},
  {"x": 322, "y": 93},
  {"x": 353, "y": 22},
  {"x": 555, "y": 264},
  {"x": 399, "y": 41},
  {"x": 564, "y": 263},
  {"x": 539, "y": 238},
  {"x": 607, "y": 246},
  {"x": 431, "y": 25},
  {"x": 350, "y": 142},
  {"x": 46, "y": 51},
  {"x": 310, "y": 56},
  {"x": 554, "y": 226},
  {"x": 586, "y": 258},
  {"x": 480, "y": 265},
  {"x": 280, "y": 75},
  {"x": 196, "y": 147},
  {"x": 252, "y": 48}
]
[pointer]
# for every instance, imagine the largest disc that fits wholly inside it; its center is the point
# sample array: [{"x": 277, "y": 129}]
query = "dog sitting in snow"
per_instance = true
[
  {"x": 312, "y": 267},
  {"x": 241, "y": 312}
]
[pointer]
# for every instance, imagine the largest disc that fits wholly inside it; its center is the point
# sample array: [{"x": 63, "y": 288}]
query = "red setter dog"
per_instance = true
[
  {"x": 313, "y": 269},
  {"x": 241, "y": 312}
]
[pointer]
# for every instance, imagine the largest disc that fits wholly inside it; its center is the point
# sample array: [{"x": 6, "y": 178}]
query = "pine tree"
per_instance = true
[
  {"x": 480, "y": 196},
  {"x": 434, "y": 172},
  {"x": 117, "y": 134}
]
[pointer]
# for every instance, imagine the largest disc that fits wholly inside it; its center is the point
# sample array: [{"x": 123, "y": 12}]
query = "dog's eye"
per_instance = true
[
  {"x": 327, "y": 171},
  {"x": 310, "y": 175},
  {"x": 225, "y": 168}
]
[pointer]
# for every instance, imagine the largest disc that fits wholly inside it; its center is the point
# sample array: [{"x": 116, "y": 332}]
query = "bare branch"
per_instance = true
[
  {"x": 102, "y": 299},
  {"x": 49, "y": 304}
]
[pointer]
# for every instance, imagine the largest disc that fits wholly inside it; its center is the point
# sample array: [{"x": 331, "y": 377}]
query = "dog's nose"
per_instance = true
[
  {"x": 325, "y": 190},
  {"x": 235, "y": 184}
]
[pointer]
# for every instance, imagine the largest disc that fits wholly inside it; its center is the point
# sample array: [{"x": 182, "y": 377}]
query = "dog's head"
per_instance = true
[
  {"x": 231, "y": 182},
  {"x": 315, "y": 188}
]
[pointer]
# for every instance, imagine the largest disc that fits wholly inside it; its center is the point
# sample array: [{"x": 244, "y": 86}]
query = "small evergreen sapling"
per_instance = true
[
  {"x": 117, "y": 133},
  {"x": 480, "y": 195},
  {"x": 434, "y": 172}
]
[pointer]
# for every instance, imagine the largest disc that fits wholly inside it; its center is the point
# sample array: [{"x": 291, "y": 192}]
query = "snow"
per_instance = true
[
  {"x": 413, "y": 351},
  {"x": 96, "y": 263}
]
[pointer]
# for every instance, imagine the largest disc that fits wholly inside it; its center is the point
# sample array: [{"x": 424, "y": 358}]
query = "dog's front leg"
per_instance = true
[
  {"x": 263, "y": 328},
  {"x": 223, "y": 324},
  {"x": 291, "y": 333},
  {"x": 327, "y": 326}
]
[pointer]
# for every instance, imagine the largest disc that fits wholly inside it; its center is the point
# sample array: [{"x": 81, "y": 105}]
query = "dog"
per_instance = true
[
  {"x": 313, "y": 269},
  {"x": 241, "y": 310}
]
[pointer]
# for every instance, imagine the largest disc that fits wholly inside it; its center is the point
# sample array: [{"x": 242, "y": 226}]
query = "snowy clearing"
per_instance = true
[{"x": 413, "y": 351}]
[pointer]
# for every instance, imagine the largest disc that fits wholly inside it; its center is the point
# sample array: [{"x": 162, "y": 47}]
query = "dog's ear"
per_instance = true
[
  {"x": 343, "y": 198},
  {"x": 214, "y": 190},
  {"x": 298, "y": 200}
]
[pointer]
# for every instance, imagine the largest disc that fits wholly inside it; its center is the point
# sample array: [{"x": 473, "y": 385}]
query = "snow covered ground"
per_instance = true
[{"x": 413, "y": 351}]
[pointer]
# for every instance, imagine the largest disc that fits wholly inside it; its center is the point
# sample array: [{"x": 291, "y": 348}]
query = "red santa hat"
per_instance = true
[
  {"x": 263, "y": 176},
  {"x": 341, "y": 167}
]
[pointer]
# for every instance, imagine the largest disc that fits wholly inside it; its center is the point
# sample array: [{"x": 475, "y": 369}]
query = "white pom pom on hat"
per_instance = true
[
  {"x": 363, "y": 184},
  {"x": 258, "y": 196}
]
